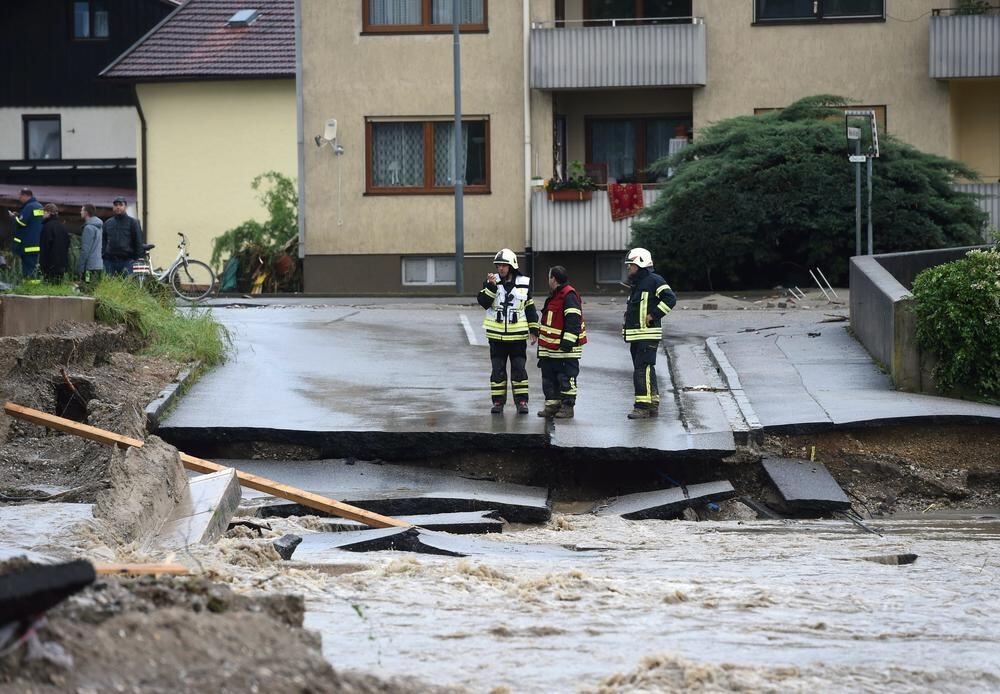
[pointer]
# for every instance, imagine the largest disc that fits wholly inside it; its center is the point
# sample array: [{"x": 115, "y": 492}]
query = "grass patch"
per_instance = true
[
  {"x": 150, "y": 312},
  {"x": 44, "y": 289}
]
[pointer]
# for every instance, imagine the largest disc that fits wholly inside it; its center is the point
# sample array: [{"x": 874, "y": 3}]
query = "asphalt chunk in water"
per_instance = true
[
  {"x": 471, "y": 523},
  {"x": 665, "y": 503},
  {"x": 805, "y": 485}
]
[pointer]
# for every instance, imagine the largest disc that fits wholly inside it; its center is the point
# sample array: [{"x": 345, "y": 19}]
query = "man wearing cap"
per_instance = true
[
  {"x": 650, "y": 300},
  {"x": 122, "y": 240},
  {"x": 28, "y": 231}
]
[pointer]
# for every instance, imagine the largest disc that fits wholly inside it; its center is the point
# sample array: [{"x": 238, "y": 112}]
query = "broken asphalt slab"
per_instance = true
[
  {"x": 665, "y": 503},
  {"x": 805, "y": 485},
  {"x": 471, "y": 523},
  {"x": 396, "y": 490},
  {"x": 317, "y": 547},
  {"x": 26, "y": 592}
]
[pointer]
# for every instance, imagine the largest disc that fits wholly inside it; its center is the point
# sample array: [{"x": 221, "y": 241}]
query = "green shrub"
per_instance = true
[
  {"x": 183, "y": 335},
  {"x": 44, "y": 289},
  {"x": 958, "y": 320}
]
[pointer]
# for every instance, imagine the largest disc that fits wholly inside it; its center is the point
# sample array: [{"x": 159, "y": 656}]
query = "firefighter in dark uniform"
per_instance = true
[
  {"x": 562, "y": 335},
  {"x": 650, "y": 301},
  {"x": 511, "y": 320},
  {"x": 28, "y": 232}
]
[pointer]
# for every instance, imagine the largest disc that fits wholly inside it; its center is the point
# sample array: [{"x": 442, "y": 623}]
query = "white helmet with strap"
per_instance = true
[
  {"x": 640, "y": 257},
  {"x": 506, "y": 256}
]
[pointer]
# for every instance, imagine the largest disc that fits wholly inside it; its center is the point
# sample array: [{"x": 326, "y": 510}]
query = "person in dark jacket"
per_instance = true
[
  {"x": 650, "y": 301},
  {"x": 562, "y": 336},
  {"x": 122, "y": 240},
  {"x": 54, "y": 255},
  {"x": 27, "y": 231}
]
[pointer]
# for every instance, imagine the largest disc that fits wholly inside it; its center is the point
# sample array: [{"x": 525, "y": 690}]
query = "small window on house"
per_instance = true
[
  {"x": 422, "y": 16},
  {"x": 416, "y": 156},
  {"x": 243, "y": 18},
  {"x": 428, "y": 271},
  {"x": 91, "y": 20},
  {"x": 611, "y": 269},
  {"x": 806, "y": 10},
  {"x": 42, "y": 137}
]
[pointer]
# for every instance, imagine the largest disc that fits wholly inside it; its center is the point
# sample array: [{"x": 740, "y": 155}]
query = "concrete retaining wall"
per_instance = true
[
  {"x": 25, "y": 315},
  {"x": 883, "y": 315}
]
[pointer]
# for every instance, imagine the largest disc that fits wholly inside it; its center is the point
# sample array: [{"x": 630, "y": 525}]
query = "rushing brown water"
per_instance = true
[{"x": 765, "y": 606}]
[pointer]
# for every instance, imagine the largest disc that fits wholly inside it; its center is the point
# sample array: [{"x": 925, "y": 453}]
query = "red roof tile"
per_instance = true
[{"x": 195, "y": 43}]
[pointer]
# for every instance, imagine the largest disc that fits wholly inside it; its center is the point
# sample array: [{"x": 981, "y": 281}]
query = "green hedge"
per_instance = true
[{"x": 958, "y": 320}]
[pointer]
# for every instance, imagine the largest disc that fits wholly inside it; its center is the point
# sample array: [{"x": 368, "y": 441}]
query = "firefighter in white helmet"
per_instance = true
[
  {"x": 650, "y": 301},
  {"x": 511, "y": 320}
]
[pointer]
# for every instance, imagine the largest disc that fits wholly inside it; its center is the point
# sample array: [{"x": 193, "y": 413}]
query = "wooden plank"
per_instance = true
[
  {"x": 140, "y": 569},
  {"x": 284, "y": 491}
]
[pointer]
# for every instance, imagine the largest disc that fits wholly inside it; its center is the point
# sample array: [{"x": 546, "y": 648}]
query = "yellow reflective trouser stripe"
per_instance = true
[
  {"x": 553, "y": 402},
  {"x": 519, "y": 387},
  {"x": 18, "y": 220},
  {"x": 572, "y": 387},
  {"x": 574, "y": 353},
  {"x": 32, "y": 249},
  {"x": 572, "y": 311},
  {"x": 38, "y": 213},
  {"x": 498, "y": 387}
]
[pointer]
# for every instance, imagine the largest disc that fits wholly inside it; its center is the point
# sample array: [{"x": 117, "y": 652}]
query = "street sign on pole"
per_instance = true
[{"x": 857, "y": 158}]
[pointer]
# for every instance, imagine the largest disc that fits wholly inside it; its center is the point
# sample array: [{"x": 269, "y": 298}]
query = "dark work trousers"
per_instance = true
[
  {"x": 559, "y": 380},
  {"x": 647, "y": 392},
  {"x": 517, "y": 352}
]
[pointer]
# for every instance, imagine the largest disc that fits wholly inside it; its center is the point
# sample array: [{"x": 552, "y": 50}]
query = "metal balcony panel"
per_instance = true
[
  {"x": 664, "y": 55},
  {"x": 965, "y": 46},
  {"x": 580, "y": 226}
]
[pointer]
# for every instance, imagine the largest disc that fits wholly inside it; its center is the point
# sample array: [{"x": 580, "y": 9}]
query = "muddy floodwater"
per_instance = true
[{"x": 764, "y": 605}]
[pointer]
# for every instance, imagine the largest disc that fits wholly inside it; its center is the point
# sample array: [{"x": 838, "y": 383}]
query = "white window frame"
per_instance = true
[
  {"x": 431, "y": 279},
  {"x": 597, "y": 270}
]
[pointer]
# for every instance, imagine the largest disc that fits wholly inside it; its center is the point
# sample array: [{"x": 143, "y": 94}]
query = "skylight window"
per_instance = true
[{"x": 243, "y": 18}]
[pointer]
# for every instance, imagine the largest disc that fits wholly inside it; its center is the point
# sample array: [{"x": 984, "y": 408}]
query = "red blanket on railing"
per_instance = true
[{"x": 625, "y": 200}]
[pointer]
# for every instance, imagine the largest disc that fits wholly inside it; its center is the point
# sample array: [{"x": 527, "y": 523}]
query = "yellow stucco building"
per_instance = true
[
  {"x": 216, "y": 101},
  {"x": 613, "y": 84}
]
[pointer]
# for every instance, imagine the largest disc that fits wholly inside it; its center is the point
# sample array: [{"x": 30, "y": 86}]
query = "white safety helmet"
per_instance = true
[
  {"x": 506, "y": 256},
  {"x": 640, "y": 257}
]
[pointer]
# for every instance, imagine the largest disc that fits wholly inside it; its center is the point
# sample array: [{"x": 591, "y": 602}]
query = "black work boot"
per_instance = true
[
  {"x": 549, "y": 410},
  {"x": 522, "y": 406},
  {"x": 497, "y": 408},
  {"x": 565, "y": 411},
  {"x": 640, "y": 413}
]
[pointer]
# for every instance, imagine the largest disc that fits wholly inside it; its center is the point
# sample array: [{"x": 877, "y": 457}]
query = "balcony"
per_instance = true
[
  {"x": 965, "y": 45},
  {"x": 622, "y": 53},
  {"x": 580, "y": 226}
]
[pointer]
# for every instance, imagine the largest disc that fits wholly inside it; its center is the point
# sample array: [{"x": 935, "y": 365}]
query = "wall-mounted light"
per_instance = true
[{"x": 329, "y": 137}]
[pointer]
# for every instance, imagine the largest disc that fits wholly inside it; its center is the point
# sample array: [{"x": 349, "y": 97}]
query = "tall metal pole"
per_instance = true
[
  {"x": 857, "y": 199},
  {"x": 458, "y": 169},
  {"x": 870, "y": 251}
]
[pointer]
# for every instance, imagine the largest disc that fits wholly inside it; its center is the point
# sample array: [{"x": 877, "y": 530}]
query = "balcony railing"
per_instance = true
[
  {"x": 619, "y": 53},
  {"x": 580, "y": 225},
  {"x": 965, "y": 45}
]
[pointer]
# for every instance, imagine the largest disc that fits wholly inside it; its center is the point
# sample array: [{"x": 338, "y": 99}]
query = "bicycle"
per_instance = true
[{"x": 191, "y": 280}]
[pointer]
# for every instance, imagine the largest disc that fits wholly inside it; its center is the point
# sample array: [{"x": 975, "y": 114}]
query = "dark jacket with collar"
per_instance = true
[{"x": 122, "y": 238}]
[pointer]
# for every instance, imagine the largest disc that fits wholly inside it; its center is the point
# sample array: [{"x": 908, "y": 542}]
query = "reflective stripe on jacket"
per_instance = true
[
  {"x": 510, "y": 310},
  {"x": 563, "y": 331},
  {"x": 651, "y": 296}
]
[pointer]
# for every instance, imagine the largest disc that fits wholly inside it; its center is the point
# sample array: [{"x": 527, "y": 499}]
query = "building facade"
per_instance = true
[{"x": 612, "y": 84}]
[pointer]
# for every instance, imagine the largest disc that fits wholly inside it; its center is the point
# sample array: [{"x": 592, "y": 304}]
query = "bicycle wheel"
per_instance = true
[{"x": 192, "y": 280}]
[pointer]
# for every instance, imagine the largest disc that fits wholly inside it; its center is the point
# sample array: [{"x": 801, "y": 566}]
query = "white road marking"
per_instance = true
[{"x": 469, "y": 333}]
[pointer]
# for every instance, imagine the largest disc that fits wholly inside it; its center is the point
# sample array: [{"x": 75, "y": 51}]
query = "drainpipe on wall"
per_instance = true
[
  {"x": 300, "y": 131},
  {"x": 144, "y": 168},
  {"x": 526, "y": 30}
]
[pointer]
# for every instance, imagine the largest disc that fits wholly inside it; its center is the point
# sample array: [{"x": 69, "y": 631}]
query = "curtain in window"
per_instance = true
[
  {"x": 613, "y": 143},
  {"x": 101, "y": 29},
  {"x": 469, "y": 11},
  {"x": 473, "y": 154},
  {"x": 658, "y": 135},
  {"x": 397, "y": 155},
  {"x": 81, "y": 20},
  {"x": 394, "y": 11}
]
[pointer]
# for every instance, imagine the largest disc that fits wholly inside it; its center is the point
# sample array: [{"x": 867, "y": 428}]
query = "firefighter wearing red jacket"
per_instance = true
[{"x": 562, "y": 335}]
